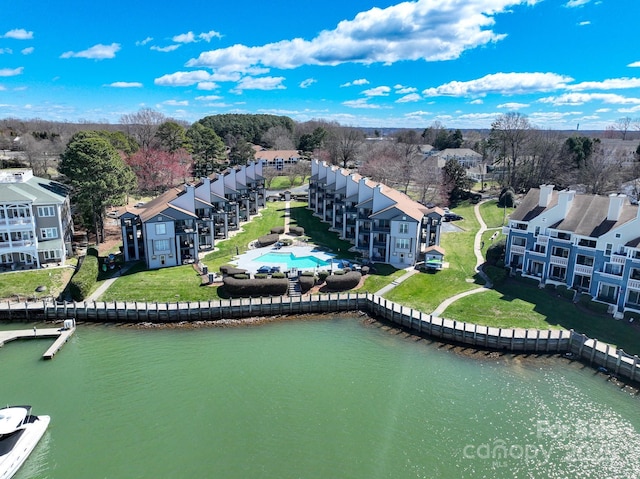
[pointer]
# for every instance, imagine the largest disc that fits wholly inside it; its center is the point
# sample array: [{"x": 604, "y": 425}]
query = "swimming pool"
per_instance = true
[{"x": 292, "y": 261}]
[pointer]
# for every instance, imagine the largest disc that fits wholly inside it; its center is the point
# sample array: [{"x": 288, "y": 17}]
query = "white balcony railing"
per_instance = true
[
  {"x": 584, "y": 270},
  {"x": 634, "y": 284},
  {"x": 517, "y": 249},
  {"x": 559, "y": 260},
  {"x": 618, "y": 259},
  {"x": 543, "y": 240}
]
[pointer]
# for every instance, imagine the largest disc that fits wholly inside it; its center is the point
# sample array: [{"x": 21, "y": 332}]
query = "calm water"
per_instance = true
[
  {"x": 292, "y": 261},
  {"x": 312, "y": 399}
]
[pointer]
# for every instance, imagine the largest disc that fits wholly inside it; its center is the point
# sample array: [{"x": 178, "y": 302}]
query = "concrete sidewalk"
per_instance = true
[{"x": 410, "y": 271}]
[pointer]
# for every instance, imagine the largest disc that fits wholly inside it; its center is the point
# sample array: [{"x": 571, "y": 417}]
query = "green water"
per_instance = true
[{"x": 312, "y": 399}]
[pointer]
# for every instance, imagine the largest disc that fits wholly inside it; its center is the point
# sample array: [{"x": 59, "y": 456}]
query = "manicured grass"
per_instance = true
[
  {"x": 319, "y": 231},
  {"x": 383, "y": 276},
  {"x": 24, "y": 283},
  {"x": 517, "y": 304},
  {"x": 493, "y": 216},
  {"x": 181, "y": 283},
  {"x": 283, "y": 182}
]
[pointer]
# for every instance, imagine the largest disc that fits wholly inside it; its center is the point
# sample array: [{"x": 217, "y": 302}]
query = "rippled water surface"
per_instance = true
[{"x": 312, "y": 399}]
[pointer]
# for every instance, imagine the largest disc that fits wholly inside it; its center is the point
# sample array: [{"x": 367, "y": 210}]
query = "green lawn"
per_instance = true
[
  {"x": 494, "y": 216},
  {"x": 283, "y": 182},
  {"x": 384, "y": 275},
  {"x": 24, "y": 283}
]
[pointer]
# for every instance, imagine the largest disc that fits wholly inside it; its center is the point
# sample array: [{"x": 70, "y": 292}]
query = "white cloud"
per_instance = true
[
  {"x": 420, "y": 30},
  {"x": 308, "y": 82},
  {"x": 141, "y": 43},
  {"x": 96, "y": 52},
  {"x": 377, "y": 91},
  {"x": 209, "y": 35},
  {"x": 124, "y": 84},
  {"x": 208, "y": 98},
  {"x": 183, "y": 78},
  {"x": 18, "y": 34},
  {"x": 609, "y": 84},
  {"x": 11, "y": 72},
  {"x": 576, "y": 3},
  {"x": 513, "y": 106},
  {"x": 403, "y": 90},
  {"x": 502, "y": 83},
  {"x": 361, "y": 81},
  {"x": 477, "y": 101},
  {"x": 168, "y": 48},
  {"x": 207, "y": 85},
  {"x": 8, "y": 51},
  {"x": 188, "y": 37},
  {"x": 582, "y": 98},
  {"x": 27, "y": 51},
  {"x": 262, "y": 83},
  {"x": 603, "y": 110},
  {"x": 585, "y": 23},
  {"x": 360, "y": 103},
  {"x": 634, "y": 64},
  {"x": 411, "y": 97},
  {"x": 176, "y": 103}
]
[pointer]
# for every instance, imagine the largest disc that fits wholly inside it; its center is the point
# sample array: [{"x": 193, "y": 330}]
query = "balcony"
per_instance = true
[
  {"x": 517, "y": 249},
  {"x": 542, "y": 240},
  {"x": 583, "y": 269},
  {"x": 559, "y": 260},
  {"x": 618, "y": 258},
  {"x": 634, "y": 284}
]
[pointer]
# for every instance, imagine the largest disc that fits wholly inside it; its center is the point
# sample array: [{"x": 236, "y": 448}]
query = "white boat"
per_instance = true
[{"x": 20, "y": 431}]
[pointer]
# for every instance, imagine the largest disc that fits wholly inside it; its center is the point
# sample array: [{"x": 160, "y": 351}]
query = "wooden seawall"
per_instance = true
[{"x": 481, "y": 337}]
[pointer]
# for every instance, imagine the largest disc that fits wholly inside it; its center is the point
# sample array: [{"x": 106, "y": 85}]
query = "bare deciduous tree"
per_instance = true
[{"x": 143, "y": 126}]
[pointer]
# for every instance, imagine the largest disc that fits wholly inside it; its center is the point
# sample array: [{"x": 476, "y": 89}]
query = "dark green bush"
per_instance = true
[
  {"x": 364, "y": 270},
  {"x": 278, "y": 275},
  {"x": 307, "y": 282},
  {"x": 286, "y": 241},
  {"x": 507, "y": 198},
  {"x": 343, "y": 282},
  {"x": 231, "y": 270},
  {"x": 255, "y": 287},
  {"x": 260, "y": 275},
  {"x": 565, "y": 292},
  {"x": 85, "y": 276},
  {"x": 241, "y": 276},
  {"x": 495, "y": 252},
  {"x": 322, "y": 276},
  {"x": 278, "y": 230},
  {"x": 308, "y": 273},
  {"x": 340, "y": 272},
  {"x": 296, "y": 230},
  {"x": 266, "y": 240}
]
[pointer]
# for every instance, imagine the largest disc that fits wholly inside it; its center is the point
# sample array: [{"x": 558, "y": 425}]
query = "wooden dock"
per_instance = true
[{"x": 61, "y": 335}]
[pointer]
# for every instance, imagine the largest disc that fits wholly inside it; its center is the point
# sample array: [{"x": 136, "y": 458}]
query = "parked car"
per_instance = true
[{"x": 452, "y": 217}]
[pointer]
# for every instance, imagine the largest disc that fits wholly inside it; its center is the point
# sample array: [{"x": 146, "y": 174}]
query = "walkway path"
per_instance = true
[
  {"x": 477, "y": 249},
  {"x": 410, "y": 271},
  {"x": 107, "y": 283}
]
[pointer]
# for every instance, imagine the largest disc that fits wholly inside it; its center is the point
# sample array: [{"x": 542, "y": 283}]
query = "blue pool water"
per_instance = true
[{"x": 292, "y": 261}]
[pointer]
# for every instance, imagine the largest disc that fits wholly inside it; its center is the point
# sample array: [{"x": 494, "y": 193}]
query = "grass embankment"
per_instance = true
[
  {"x": 182, "y": 283},
  {"x": 22, "y": 284}
]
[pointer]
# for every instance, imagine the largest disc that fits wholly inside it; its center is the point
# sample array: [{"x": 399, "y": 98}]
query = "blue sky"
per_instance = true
[{"x": 383, "y": 63}]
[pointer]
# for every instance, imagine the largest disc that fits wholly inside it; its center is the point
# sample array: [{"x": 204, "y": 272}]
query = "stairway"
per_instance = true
[{"x": 294, "y": 287}]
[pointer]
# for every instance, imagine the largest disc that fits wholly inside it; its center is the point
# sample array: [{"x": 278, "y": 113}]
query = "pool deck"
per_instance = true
[{"x": 251, "y": 262}]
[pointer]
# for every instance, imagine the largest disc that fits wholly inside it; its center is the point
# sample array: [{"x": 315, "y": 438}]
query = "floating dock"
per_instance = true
[{"x": 61, "y": 335}]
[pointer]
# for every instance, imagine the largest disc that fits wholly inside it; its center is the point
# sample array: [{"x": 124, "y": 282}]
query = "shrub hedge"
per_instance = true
[
  {"x": 322, "y": 276},
  {"x": 255, "y": 287},
  {"x": 343, "y": 282},
  {"x": 307, "y": 282},
  {"x": 266, "y": 240},
  {"x": 296, "y": 230},
  {"x": 278, "y": 275},
  {"x": 231, "y": 270},
  {"x": 364, "y": 270},
  {"x": 278, "y": 230},
  {"x": 85, "y": 277}
]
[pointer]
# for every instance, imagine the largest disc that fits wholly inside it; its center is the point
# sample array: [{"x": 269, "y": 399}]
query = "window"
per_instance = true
[
  {"x": 613, "y": 268},
  {"x": 6, "y": 258},
  {"x": 44, "y": 211},
  {"x": 402, "y": 243},
  {"x": 633, "y": 298},
  {"x": 540, "y": 248},
  {"x": 607, "y": 250},
  {"x": 584, "y": 260},
  {"x": 518, "y": 241},
  {"x": 635, "y": 273},
  {"x": 53, "y": 254},
  {"x": 561, "y": 252},
  {"x": 161, "y": 229},
  {"x": 587, "y": 243},
  {"x": 582, "y": 282},
  {"x": 557, "y": 273},
  {"x": 404, "y": 228},
  {"x": 161, "y": 245},
  {"x": 48, "y": 233},
  {"x": 537, "y": 231}
]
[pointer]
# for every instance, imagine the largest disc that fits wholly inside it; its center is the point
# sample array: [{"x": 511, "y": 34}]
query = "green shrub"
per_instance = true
[
  {"x": 496, "y": 274},
  {"x": 241, "y": 276},
  {"x": 322, "y": 276},
  {"x": 267, "y": 240},
  {"x": 286, "y": 241},
  {"x": 255, "y": 287},
  {"x": 260, "y": 275},
  {"x": 308, "y": 273},
  {"x": 343, "y": 282},
  {"x": 278, "y": 275},
  {"x": 364, "y": 270},
  {"x": 565, "y": 292},
  {"x": 296, "y": 230},
  {"x": 85, "y": 276},
  {"x": 495, "y": 252},
  {"x": 340, "y": 272},
  {"x": 278, "y": 230},
  {"x": 231, "y": 270},
  {"x": 307, "y": 282}
]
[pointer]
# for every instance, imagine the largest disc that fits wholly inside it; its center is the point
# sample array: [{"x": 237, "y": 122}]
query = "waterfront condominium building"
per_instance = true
[
  {"x": 180, "y": 223},
  {"x": 589, "y": 243},
  {"x": 35, "y": 220},
  {"x": 384, "y": 225}
]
